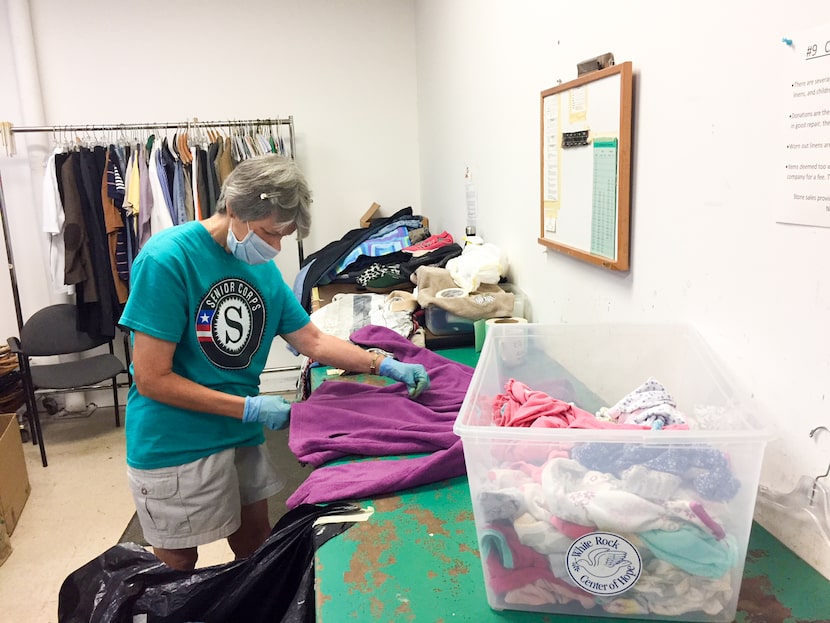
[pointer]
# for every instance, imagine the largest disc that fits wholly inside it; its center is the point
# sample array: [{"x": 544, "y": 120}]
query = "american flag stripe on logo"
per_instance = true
[{"x": 203, "y": 324}]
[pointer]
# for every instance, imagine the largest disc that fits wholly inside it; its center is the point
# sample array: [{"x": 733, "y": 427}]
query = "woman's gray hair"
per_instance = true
[{"x": 268, "y": 186}]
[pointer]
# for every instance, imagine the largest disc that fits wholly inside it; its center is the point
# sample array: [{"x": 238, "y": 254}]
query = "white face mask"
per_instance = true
[{"x": 251, "y": 249}]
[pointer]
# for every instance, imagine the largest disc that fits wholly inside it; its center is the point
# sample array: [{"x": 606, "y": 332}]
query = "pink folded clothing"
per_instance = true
[{"x": 521, "y": 406}]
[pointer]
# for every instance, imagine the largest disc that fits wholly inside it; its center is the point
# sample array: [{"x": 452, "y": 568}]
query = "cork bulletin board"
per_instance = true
[{"x": 586, "y": 167}]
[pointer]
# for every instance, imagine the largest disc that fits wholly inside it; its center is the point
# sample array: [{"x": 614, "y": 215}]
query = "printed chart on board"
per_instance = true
[{"x": 805, "y": 199}]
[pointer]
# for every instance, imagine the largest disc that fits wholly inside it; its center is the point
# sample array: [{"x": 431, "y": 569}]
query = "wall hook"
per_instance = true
[{"x": 817, "y": 429}]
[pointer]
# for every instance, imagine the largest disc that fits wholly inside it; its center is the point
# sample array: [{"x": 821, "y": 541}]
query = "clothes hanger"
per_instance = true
[
  {"x": 184, "y": 146},
  {"x": 265, "y": 138},
  {"x": 809, "y": 501},
  {"x": 256, "y": 140},
  {"x": 280, "y": 142},
  {"x": 239, "y": 145},
  {"x": 202, "y": 135},
  {"x": 251, "y": 142},
  {"x": 81, "y": 137},
  {"x": 273, "y": 141},
  {"x": 173, "y": 146}
]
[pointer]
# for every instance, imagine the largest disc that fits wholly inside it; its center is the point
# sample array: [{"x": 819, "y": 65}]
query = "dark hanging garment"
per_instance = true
[
  {"x": 116, "y": 192},
  {"x": 78, "y": 265},
  {"x": 99, "y": 318},
  {"x": 212, "y": 181},
  {"x": 202, "y": 184},
  {"x": 60, "y": 159},
  {"x": 168, "y": 162},
  {"x": 179, "y": 193}
]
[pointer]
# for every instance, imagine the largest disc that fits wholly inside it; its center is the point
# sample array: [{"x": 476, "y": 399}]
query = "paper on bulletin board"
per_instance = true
[
  {"x": 805, "y": 196},
  {"x": 550, "y": 177},
  {"x": 578, "y": 104},
  {"x": 604, "y": 198}
]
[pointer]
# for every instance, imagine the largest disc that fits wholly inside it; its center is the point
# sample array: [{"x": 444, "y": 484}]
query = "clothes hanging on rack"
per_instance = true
[
  {"x": 129, "y": 160},
  {"x": 109, "y": 197}
]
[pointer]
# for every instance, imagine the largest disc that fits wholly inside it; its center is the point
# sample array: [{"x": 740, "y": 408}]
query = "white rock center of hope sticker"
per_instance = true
[{"x": 604, "y": 563}]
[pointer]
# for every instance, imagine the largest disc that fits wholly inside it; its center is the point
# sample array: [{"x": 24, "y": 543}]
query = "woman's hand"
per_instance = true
[
  {"x": 413, "y": 374},
  {"x": 273, "y": 411}
]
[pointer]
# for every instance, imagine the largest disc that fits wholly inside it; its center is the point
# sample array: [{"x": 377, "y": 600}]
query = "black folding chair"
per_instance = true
[{"x": 54, "y": 331}]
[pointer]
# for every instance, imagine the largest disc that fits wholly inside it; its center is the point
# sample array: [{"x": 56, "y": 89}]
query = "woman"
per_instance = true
[{"x": 205, "y": 304}]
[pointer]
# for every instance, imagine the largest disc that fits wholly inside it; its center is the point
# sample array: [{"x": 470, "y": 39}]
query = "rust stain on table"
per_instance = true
[
  {"x": 376, "y": 539},
  {"x": 760, "y": 604}
]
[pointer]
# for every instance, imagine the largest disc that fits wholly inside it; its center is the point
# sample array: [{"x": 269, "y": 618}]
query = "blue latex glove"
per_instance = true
[
  {"x": 273, "y": 411},
  {"x": 413, "y": 374}
]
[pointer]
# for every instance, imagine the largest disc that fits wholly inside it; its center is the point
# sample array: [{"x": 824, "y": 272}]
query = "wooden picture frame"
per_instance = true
[{"x": 585, "y": 175}]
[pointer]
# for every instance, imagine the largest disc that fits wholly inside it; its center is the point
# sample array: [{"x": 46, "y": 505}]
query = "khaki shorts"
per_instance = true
[{"x": 198, "y": 503}]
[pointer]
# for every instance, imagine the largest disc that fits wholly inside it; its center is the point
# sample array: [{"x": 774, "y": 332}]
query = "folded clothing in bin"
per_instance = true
[
  {"x": 664, "y": 501},
  {"x": 626, "y": 498}
]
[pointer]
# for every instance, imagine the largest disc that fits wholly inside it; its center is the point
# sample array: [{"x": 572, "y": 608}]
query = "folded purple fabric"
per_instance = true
[{"x": 353, "y": 419}]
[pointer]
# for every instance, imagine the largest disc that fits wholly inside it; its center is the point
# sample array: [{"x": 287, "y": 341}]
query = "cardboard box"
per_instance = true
[
  {"x": 5, "y": 544},
  {"x": 373, "y": 213},
  {"x": 14, "y": 478}
]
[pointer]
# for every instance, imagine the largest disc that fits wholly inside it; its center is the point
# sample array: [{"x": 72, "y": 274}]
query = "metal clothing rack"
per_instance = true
[
  {"x": 191, "y": 123},
  {"x": 184, "y": 125}
]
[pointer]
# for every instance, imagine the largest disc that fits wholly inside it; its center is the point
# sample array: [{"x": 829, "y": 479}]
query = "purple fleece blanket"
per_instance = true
[{"x": 353, "y": 419}]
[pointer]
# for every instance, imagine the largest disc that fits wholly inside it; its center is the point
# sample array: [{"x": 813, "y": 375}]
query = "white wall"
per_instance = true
[
  {"x": 343, "y": 69},
  {"x": 705, "y": 247}
]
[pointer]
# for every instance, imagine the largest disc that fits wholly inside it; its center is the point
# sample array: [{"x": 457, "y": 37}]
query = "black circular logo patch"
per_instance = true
[{"x": 230, "y": 322}]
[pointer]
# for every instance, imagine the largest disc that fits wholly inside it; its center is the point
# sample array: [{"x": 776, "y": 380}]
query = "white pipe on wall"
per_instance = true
[
  {"x": 36, "y": 147},
  {"x": 25, "y": 61},
  {"x": 22, "y": 224}
]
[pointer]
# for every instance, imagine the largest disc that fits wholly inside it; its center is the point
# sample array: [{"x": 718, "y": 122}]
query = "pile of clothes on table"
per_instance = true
[{"x": 398, "y": 268}]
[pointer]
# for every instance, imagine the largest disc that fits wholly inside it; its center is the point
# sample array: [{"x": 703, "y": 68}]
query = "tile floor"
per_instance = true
[{"x": 78, "y": 508}]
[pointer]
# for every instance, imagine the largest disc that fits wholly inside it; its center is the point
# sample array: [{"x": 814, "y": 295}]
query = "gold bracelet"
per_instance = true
[{"x": 372, "y": 366}]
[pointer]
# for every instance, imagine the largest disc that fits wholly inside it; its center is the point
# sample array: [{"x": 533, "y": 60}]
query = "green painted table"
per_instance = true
[{"x": 417, "y": 559}]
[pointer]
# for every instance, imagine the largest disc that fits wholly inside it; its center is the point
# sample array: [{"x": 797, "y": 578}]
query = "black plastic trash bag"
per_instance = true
[{"x": 276, "y": 584}]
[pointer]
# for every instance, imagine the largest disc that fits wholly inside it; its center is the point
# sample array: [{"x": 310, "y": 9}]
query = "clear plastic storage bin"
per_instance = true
[{"x": 649, "y": 522}]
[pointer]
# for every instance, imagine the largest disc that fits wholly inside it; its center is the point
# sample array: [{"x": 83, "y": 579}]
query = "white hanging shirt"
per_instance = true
[
  {"x": 54, "y": 218},
  {"x": 160, "y": 215}
]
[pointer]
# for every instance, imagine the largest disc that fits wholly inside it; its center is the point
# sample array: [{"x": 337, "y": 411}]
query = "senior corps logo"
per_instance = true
[
  {"x": 230, "y": 322},
  {"x": 603, "y": 563}
]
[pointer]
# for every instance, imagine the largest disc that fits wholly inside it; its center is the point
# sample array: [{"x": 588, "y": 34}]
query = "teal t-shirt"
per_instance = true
[{"x": 222, "y": 315}]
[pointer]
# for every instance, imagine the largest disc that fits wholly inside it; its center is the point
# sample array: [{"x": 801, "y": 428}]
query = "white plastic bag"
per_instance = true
[{"x": 477, "y": 264}]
